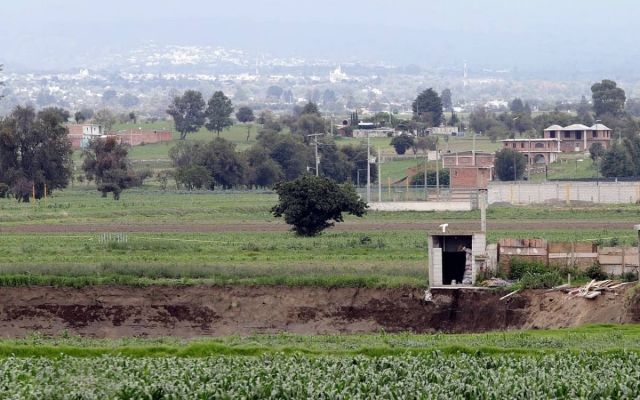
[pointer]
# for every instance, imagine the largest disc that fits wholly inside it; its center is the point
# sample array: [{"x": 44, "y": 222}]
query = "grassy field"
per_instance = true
[{"x": 231, "y": 237}]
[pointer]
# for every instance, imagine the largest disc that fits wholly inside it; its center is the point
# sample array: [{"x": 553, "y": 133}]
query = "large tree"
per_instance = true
[
  {"x": 105, "y": 118},
  {"x": 427, "y": 107},
  {"x": 310, "y": 203},
  {"x": 264, "y": 171},
  {"x": 617, "y": 162},
  {"x": 510, "y": 164},
  {"x": 106, "y": 162},
  {"x": 34, "y": 152},
  {"x": 402, "y": 143},
  {"x": 227, "y": 167},
  {"x": 447, "y": 104},
  {"x": 311, "y": 108},
  {"x": 218, "y": 113},
  {"x": 608, "y": 98},
  {"x": 245, "y": 115},
  {"x": 187, "y": 112}
]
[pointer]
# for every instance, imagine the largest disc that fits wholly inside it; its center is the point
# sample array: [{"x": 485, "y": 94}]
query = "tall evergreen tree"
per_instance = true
[{"x": 427, "y": 108}]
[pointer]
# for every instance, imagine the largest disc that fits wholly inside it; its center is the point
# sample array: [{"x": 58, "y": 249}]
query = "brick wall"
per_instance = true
[
  {"x": 467, "y": 178},
  {"x": 614, "y": 260}
]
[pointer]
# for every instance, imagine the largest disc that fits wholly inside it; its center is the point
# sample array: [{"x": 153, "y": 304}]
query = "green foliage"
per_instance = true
[
  {"x": 505, "y": 161},
  {"x": 213, "y": 370},
  {"x": 311, "y": 108},
  {"x": 245, "y": 114},
  {"x": 310, "y": 202},
  {"x": 427, "y": 108},
  {"x": 106, "y": 161},
  {"x": 104, "y": 117},
  {"x": 617, "y": 161},
  {"x": 194, "y": 177},
  {"x": 187, "y": 112},
  {"x": 218, "y": 112},
  {"x": 402, "y": 143},
  {"x": 34, "y": 152},
  {"x": 444, "y": 177},
  {"x": 447, "y": 104},
  {"x": 608, "y": 98},
  {"x": 545, "y": 280},
  {"x": 594, "y": 271},
  {"x": 522, "y": 266}
]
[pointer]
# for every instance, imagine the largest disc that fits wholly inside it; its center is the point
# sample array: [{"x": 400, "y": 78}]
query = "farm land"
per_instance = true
[{"x": 166, "y": 244}]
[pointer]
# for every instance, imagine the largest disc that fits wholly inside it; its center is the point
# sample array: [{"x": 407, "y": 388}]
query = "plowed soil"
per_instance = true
[
  {"x": 196, "y": 311},
  {"x": 461, "y": 225}
]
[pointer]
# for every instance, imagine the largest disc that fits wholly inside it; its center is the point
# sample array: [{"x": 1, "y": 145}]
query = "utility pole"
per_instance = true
[
  {"x": 315, "y": 143},
  {"x": 368, "y": 168},
  {"x": 379, "y": 177},
  {"x": 437, "y": 172}
]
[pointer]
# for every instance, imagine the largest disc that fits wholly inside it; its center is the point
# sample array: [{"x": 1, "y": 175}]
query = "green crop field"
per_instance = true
[
  {"x": 231, "y": 237},
  {"x": 587, "y": 362}
]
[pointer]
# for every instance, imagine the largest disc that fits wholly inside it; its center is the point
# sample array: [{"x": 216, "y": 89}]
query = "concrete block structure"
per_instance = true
[
  {"x": 537, "y": 151},
  {"x": 469, "y": 169},
  {"x": 578, "y": 137},
  {"x": 450, "y": 253},
  {"x": 81, "y": 135}
]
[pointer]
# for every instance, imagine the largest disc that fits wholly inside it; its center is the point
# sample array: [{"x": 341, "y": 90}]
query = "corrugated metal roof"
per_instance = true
[{"x": 554, "y": 128}]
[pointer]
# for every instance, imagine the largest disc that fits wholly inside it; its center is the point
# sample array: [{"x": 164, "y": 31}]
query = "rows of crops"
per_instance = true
[
  {"x": 601, "y": 337},
  {"x": 429, "y": 376}
]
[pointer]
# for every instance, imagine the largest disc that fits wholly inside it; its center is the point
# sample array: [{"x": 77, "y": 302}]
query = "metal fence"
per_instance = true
[
  {"x": 401, "y": 192},
  {"x": 518, "y": 193}
]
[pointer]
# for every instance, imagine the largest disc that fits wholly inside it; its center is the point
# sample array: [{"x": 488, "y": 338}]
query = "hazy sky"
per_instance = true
[{"x": 498, "y": 33}]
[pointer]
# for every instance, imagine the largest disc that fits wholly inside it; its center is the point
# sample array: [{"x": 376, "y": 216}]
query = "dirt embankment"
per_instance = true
[{"x": 111, "y": 312}]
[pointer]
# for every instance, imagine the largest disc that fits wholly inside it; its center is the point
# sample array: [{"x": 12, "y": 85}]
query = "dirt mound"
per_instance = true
[{"x": 193, "y": 311}]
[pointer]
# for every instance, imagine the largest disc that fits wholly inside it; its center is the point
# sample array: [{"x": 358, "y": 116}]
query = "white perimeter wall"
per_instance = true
[{"x": 421, "y": 206}]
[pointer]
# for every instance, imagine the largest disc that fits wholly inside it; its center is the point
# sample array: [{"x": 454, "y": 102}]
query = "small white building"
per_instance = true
[
  {"x": 455, "y": 259},
  {"x": 91, "y": 132}
]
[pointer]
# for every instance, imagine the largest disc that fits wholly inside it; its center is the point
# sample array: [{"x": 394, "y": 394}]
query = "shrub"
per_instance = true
[
  {"x": 541, "y": 280},
  {"x": 595, "y": 272},
  {"x": 630, "y": 276},
  {"x": 520, "y": 267}
]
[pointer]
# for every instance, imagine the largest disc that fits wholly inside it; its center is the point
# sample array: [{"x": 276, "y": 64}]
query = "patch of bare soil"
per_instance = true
[
  {"x": 196, "y": 311},
  {"x": 454, "y": 225}
]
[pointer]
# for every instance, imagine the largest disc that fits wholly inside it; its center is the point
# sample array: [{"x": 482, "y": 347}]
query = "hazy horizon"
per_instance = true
[{"x": 540, "y": 36}]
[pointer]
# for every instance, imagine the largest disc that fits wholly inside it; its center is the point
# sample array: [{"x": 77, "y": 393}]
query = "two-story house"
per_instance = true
[
  {"x": 536, "y": 150},
  {"x": 578, "y": 137}
]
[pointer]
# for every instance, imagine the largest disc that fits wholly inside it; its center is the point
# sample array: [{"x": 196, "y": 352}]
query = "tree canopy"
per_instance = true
[
  {"x": 402, "y": 143},
  {"x": 608, "y": 98},
  {"x": 218, "y": 113},
  {"x": 447, "y": 104},
  {"x": 311, "y": 203},
  {"x": 245, "y": 114},
  {"x": 104, "y": 117},
  {"x": 106, "y": 162},
  {"x": 187, "y": 112},
  {"x": 34, "y": 152},
  {"x": 505, "y": 161},
  {"x": 310, "y": 108},
  {"x": 427, "y": 108}
]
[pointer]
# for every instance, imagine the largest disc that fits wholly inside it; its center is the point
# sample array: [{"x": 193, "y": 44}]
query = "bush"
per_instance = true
[
  {"x": 595, "y": 272},
  {"x": 545, "y": 280},
  {"x": 521, "y": 267},
  {"x": 630, "y": 276}
]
